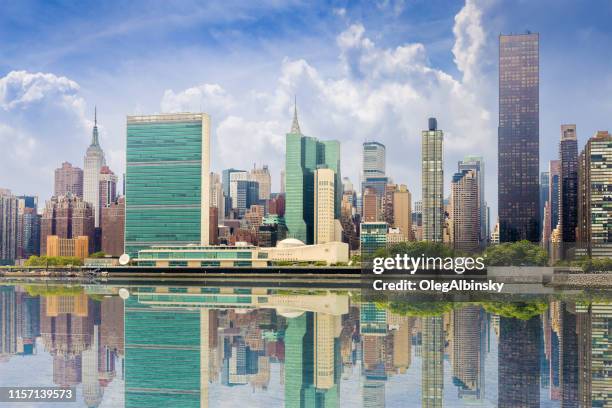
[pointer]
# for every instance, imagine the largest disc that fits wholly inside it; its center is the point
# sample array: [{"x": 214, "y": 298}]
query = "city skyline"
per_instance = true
[{"x": 458, "y": 53}]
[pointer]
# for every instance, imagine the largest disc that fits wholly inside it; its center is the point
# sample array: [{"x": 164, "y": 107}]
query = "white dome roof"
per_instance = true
[
  {"x": 289, "y": 313},
  {"x": 289, "y": 243}
]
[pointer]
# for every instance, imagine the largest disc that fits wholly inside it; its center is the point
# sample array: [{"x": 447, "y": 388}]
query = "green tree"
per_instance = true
[
  {"x": 99, "y": 254},
  {"x": 44, "y": 261},
  {"x": 521, "y": 253},
  {"x": 416, "y": 249}
]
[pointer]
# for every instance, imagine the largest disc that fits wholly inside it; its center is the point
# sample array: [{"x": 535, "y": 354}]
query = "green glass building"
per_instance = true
[
  {"x": 167, "y": 180},
  {"x": 373, "y": 237},
  {"x": 304, "y": 155}
]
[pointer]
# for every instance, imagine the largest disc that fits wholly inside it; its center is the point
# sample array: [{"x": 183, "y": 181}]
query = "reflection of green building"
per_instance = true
[
  {"x": 303, "y": 155},
  {"x": 162, "y": 356},
  {"x": 300, "y": 363},
  {"x": 372, "y": 319},
  {"x": 167, "y": 180}
]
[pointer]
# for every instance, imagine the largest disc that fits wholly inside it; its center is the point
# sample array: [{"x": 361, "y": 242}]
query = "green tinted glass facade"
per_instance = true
[
  {"x": 163, "y": 181},
  {"x": 303, "y": 155}
]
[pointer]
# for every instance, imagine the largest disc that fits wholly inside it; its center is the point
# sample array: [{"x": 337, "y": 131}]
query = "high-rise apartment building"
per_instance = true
[
  {"x": 402, "y": 211},
  {"x": 262, "y": 176},
  {"x": 518, "y": 137},
  {"x": 568, "y": 188},
  {"x": 107, "y": 187},
  {"x": 476, "y": 163},
  {"x": 465, "y": 217},
  {"x": 304, "y": 154},
  {"x": 374, "y": 157},
  {"x": 112, "y": 220},
  {"x": 8, "y": 227},
  {"x": 28, "y": 227},
  {"x": 217, "y": 197},
  {"x": 432, "y": 173},
  {"x": 68, "y": 179},
  {"x": 371, "y": 206},
  {"x": 595, "y": 196},
  {"x": 234, "y": 177},
  {"x": 554, "y": 182},
  {"x": 324, "y": 196},
  {"x": 93, "y": 162},
  {"x": 67, "y": 217},
  {"x": 167, "y": 181}
]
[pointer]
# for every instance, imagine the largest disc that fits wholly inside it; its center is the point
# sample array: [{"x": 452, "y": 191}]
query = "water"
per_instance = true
[{"x": 182, "y": 345}]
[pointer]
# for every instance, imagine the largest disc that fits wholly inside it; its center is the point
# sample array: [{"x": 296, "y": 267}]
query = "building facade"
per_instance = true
[
  {"x": 9, "y": 216},
  {"x": 113, "y": 227},
  {"x": 595, "y": 196},
  {"x": 476, "y": 163},
  {"x": 262, "y": 176},
  {"x": 432, "y": 173},
  {"x": 465, "y": 217},
  {"x": 324, "y": 196},
  {"x": 373, "y": 237},
  {"x": 167, "y": 181},
  {"x": 402, "y": 211},
  {"x": 68, "y": 179},
  {"x": 518, "y": 138},
  {"x": 568, "y": 189},
  {"x": 67, "y": 217},
  {"x": 374, "y": 159}
]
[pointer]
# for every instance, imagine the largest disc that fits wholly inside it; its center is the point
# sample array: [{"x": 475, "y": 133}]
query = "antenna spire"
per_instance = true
[{"x": 295, "y": 126}]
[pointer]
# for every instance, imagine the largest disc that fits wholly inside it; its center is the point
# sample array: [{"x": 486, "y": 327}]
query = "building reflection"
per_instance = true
[{"x": 187, "y": 346}]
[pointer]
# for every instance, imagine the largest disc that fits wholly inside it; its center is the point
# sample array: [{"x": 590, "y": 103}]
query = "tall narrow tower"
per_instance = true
[
  {"x": 432, "y": 182},
  {"x": 93, "y": 162},
  {"x": 568, "y": 188},
  {"x": 518, "y": 137}
]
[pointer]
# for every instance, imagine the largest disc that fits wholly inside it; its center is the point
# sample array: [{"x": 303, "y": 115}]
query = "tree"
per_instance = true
[
  {"x": 44, "y": 261},
  {"x": 521, "y": 253},
  {"x": 99, "y": 254}
]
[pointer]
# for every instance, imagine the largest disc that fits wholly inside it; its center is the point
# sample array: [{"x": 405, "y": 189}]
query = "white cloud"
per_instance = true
[
  {"x": 204, "y": 97},
  {"x": 21, "y": 88},
  {"x": 469, "y": 40}
]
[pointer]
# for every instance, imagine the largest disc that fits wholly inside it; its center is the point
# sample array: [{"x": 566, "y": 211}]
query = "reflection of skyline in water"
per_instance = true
[{"x": 198, "y": 347}]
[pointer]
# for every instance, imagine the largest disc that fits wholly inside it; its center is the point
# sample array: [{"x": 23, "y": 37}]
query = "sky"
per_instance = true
[{"x": 360, "y": 71}]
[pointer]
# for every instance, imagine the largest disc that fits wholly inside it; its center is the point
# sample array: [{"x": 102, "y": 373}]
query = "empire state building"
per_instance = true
[{"x": 93, "y": 162}]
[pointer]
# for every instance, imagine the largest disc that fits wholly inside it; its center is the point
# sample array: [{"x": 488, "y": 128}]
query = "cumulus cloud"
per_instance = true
[{"x": 383, "y": 94}]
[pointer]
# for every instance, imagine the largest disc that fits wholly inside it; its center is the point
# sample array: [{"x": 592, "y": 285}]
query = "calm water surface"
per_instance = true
[{"x": 203, "y": 346}]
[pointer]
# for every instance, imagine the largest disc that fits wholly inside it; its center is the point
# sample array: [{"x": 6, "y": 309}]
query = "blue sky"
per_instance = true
[{"x": 361, "y": 70}]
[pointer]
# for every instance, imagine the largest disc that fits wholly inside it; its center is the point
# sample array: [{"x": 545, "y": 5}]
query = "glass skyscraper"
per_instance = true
[
  {"x": 518, "y": 137},
  {"x": 432, "y": 174},
  {"x": 373, "y": 159},
  {"x": 167, "y": 180},
  {"x": 304, "y": 155},
  {"x": 568, "y": 188}
]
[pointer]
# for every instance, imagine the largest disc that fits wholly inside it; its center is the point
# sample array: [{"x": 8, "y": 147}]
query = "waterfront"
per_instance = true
[{"x": 232, "y": 342}]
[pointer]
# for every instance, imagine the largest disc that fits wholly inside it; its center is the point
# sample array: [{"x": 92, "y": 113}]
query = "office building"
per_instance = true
[
  {"x": 28, "y": 227},
  {"x": 9, "y": 217},
  {"x": 245, "y": 194},
  {"x": 262, "y": 176},
  {"x": 324, "y": 196},
  {"x": 167, "y": 181},
  {"x": 402, "y": 211},
  {"x": 465, "y": 216},
  {"x": 373, "y": 237},
  {"x": 225, "y": 182},
  {"x": 568, "y": 189},
  {"x": 217, "y": 197},
  {"x": 235, "y": 177},
  {"x": 67, "y": 217},
  {"x": 77, "y": 247},
  {"x": 107, "y": 187},
  {"x": 374, "y": 157},
  {"x": 93, "y": 162},
  {"x": 371, "y": 206},
  {"x": 554, "y": 182},
  {"x": 476, "y": 163},
  {"x": 432, "y": 370},
  {"x": 68, "y": 179},
  {"x": 594, "y": 196},
  {"x": 518, "y": 138},
  {"x": 304, "y": 154},
  {"x": 432, "y": 173},
  {"x": 113, "y": 226}
]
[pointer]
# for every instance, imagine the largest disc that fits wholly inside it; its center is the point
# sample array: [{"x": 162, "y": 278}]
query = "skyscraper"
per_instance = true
[
  {"x": 68, "y": 179},
  {"x": 262, "y": 176},
  {"x": 518, "y": 137},
  {"x": 568, "y": 191},
  {"x": 324, "y": 195},
  {"x": 465, "y": 219},
  {"x": 476, "y": 163},
  {"x": 402, "y": 211},
  {"x": 432, "y": 174},
  {"x": 304, "y": 155},
  {"x": 594, "y": 197},
  {"x": 554, "y": 183},
  {"x": 8, "y": 227},
  {"x": 28, "y": 227},
  {"x": 167, "y": 181},
  {"x": 93, "y": 162},
  {"x": 67, "y": 217},
  {"x": 544, "y": 191},
  {"x": 112, "y": 220},
  {"x": 373, "y": 159}
]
